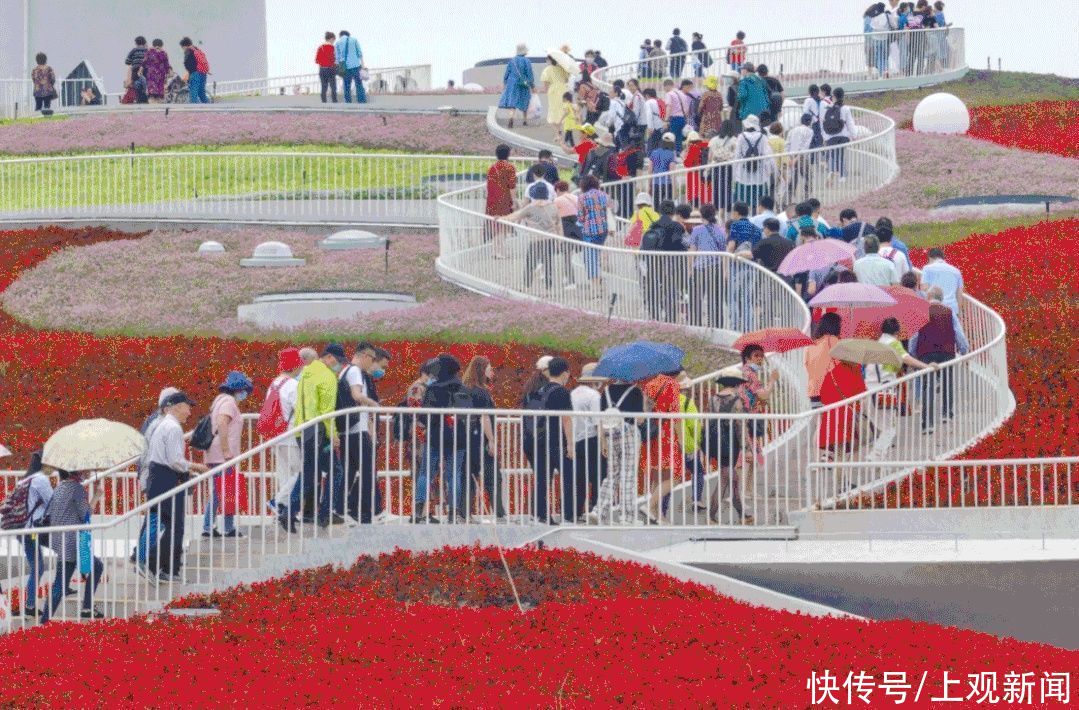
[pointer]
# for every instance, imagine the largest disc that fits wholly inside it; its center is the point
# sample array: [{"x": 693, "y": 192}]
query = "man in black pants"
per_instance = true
[
  {"x": 554, "y": 445},
  {"x": 356, "y": 387}
]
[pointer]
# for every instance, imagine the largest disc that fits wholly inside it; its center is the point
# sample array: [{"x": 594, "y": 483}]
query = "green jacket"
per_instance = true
[
  {"x": 691, "y": 428},
  {"x": 316, "y": 395},
  {"x": 752, "y": 96}
]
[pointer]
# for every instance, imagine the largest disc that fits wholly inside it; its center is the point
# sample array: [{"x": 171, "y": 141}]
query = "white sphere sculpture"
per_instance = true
[
  {"x": 272, "y": 254},
  {"x": 211, "y": 247},
  {"x": 941, "y": 113}
]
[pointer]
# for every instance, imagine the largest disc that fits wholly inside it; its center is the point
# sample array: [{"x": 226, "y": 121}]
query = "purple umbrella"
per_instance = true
[
  {"x": 852, "y": 295},
  {"x": 814, "y": 255}
]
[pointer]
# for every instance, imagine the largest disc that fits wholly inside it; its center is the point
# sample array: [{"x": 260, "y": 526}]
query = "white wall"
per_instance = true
[{"x": 232, "y": 33}]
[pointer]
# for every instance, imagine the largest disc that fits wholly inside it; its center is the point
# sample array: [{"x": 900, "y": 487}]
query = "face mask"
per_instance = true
[
  {"x": 755, "y": 367},
  {"x": 336, "y": 367},
  {"x": 378, "y": 374},
  {"x": 430, "y": 380},
  {"x": 241, "y": 396}
]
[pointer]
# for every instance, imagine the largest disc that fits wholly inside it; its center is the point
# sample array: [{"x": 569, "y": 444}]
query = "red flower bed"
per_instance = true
[
  {"x": 50, "y": 378},
  {"x": 1028, "y": 276},
  {"x": 610, "y": 633},
  {"x": 1042, "y": 126}
]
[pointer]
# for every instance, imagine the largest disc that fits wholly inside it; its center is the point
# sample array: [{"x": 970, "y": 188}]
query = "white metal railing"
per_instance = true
[
  {"x": 835, "y": 175},
  {"x": 877, "y": 60},
  {"x": 17, "y": 96},
  {"x": 382, "y": 80},
  {"x": 291, "y": 187}
]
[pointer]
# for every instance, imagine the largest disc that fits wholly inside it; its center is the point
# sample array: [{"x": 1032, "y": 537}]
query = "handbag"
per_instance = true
[
  {"x": 521, "y": 82},
  {"x": 364, "y": 74},
  {"x": 232, "y": 491},
  {"x": 633, "y": 236}
]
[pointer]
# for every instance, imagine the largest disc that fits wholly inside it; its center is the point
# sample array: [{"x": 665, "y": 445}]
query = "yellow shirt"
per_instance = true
[
  {"x": 647, "y": 217},
  {"x": 569, "y": 117}
]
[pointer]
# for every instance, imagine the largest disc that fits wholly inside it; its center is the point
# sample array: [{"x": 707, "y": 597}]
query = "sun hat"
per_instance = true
[
  {"x": 751, "y": 121},
  {"x": 693, "y": 136},
  {"x": 668, "y": 137},
  {"x": 522, "y": 48},
  {"x": 588, "y": 129},
  {"x": 288, "y": 359},
  {"x": 587, "y": 376},
  {"x": 711, "y": 82},
  {"x": 643, "y": 198},
  {"x": 166, "y": 393},
  {"x": 730, "y": 376},
  {"x": 236, "y": 381},
  {"x": 543, "y": 362}
]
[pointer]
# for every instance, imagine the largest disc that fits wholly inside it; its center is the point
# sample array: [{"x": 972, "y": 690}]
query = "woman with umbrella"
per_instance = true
[
  {"x": 555, "y": 79},
  {"x": 842, "y": 381},
  {"x": 70, "y": 505},
  {"x": 662, "y": 461},
  {"x": 518, "y": 83}
]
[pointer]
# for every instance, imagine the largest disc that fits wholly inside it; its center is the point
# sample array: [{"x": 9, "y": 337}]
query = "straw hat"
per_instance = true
[
  {"x": 587, "y": 376},
  {"x": 693, "y": 136},
  {"x": 730, "y": 376}
]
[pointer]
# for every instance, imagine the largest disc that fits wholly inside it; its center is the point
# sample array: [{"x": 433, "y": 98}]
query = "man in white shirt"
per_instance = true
[
  {"x": 752, "y": 177},
  {"x": 287, "y": 460},
  {"x": 873, "y": 268},
  {"x": 589, "y": 462},
  {"x": 948, "y": 278},
  {"x": 357, "y": 444},
  {"x": 892, "y": 254},
  {"x": 766, "y": 209},
  {"x": 168, "y": 469}
]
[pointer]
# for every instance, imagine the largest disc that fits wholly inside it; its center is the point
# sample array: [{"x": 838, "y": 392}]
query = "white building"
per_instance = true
[{"x": 232, "y": 33}]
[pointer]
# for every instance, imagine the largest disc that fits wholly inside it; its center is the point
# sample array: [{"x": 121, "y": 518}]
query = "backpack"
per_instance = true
[
  {"x": 344, "y": 401},
  {"x": 621, "y": 167},
  {"x": 724, "y": 437},
  {"x": 662, "y": 109},
  {"x": 653, "y": 238},
  {"x": 202, "y": 438},
  {"x": 536, "y": 400},
  {"x": 597, "y": 163},
  {"x": 202, "y": 64},
  {"x": 884, "y": 22},
  {"x": 460, "y": 398},
  {"x": 271, "y": 421},
  {"x": 753, "y": 150},
  {"x": 603, "y": 103},
  {"x": 833, "y": 120},
  {"x": 14, "y": 512},
  {"x": 614, "y": 421}
]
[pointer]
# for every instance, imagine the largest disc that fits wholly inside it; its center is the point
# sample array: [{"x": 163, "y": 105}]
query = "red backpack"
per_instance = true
[
  {"x": 621, "y": 165},
  {"x": 201, "y": 63},
  {"x": 271, "y": 421},
  {"x": 662, "y": 109}
]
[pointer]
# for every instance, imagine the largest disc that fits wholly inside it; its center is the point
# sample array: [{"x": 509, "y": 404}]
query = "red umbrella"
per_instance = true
[
  {"x": 910, "y": 309},
  {"x": 775, "y": 340}
]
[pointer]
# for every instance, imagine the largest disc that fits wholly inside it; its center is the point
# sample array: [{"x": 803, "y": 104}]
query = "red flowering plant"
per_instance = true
[
  {"x": 1042, "y": 126},
  {"x": 437, "y": 628}
]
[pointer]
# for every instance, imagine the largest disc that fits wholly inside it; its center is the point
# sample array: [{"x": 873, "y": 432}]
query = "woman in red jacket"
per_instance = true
[{"x": 327, "y": 66}]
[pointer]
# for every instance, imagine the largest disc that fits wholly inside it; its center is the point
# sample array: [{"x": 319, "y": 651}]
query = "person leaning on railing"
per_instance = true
[{"x": 168, "y": 469}]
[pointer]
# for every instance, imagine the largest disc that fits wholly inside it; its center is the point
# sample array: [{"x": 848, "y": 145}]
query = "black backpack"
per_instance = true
[
  {"x": 202, "y": 438},
  {"x": 652, "y": 239},
  {"x": 678, "y": 45},
  {"x": 536, "y": 426},
  {"x": 596, "y": 162},
  {"x": 344, "y": 401},
  {"x": 833, "y": 120},
  {"x": 603, "y": 102},
  {"x": 753, "y": 150}
]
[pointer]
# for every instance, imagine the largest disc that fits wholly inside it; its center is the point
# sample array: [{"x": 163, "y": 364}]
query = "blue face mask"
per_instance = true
[
  {"x": 378, "y": 374},
  {"x": 241, "y": 396},
  {"x": 430, "y": 380}
]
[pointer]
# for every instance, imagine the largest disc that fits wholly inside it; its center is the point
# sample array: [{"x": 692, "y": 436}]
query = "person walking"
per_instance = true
[
  {"x": 355, "y": 387},
  {"x": 592, "y": 214},
  {"x": 349, "y": 58},
  {"x": 446, "y": 444},
  {"x": 616, "y": 501},
  {"x": 706, "y": 282},
  {"x": 936, "y": 343},
  {"x": 663, "y": 272},
  {"x": 227, "y": 425},
  {"x": 482, "y": 460},
  {"x": 326, "y": 60},
  {"x": 135, "y": 58},
  {"x": 197, "y": 67},
  {"x": 948, "y": 278},
  {"x": 736, "y": 55},
  {"x": 663, "y": 457},
  {"x": 540, "y": 217},
  {"x": 724, "y": 444},
  {"x": 71, "y": 505},
  {"x": 44, "y": 81},
  {"x": 555, "y": 81},
  {"x": 501, "y": 187},
  {"x": 320, "y": 447},
  {"x": 38, "y": 494},
  {"x": 677, "y": 48},
  {"x": 590, "y": 465},
  {"x": 873, "y": 268},
  {"x": 679, "y": 109},
  {"x": 167, "y": 469},
  {"x": 518, "y": 83},
  {"x": 287, "y": 460},
  {"x": 156, "y": 68},
  {"x": 702, "y": 59},
  {"x": 839, "y": 129},
  {"x": 753, "y": 97},
  {"x": 755, "y": 169},
  {"x": 710, "y": 109},
  {"x": 662, "y": 160},
  {"x": 553, "y": 447},
  {"x": 818, "y": 358}
]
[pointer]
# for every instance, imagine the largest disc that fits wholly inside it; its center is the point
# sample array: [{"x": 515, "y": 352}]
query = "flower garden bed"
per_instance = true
[
  {"x": 465, "y": 135},
  {"x": 441, "y": 629},
  {"x": 1043, "y": 126}
]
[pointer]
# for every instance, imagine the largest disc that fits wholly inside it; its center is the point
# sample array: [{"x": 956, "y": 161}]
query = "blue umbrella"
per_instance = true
[{"x": 638, "y": 361}]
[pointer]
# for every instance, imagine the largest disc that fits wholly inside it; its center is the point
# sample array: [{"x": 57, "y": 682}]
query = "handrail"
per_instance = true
[{"x": 418, "y": 74}]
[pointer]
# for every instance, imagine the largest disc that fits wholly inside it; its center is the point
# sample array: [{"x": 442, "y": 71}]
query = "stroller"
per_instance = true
[{"x": 176, "y": 90}]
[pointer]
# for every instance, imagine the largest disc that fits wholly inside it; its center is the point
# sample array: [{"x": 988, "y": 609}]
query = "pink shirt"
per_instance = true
[
  {"x": 225, "y": 404},
  {"x": 677, "y": 103},
  {"x": 566, "y": 204}
]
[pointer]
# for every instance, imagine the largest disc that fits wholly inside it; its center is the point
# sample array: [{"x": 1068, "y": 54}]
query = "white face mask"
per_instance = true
[{"x": 241, "y": 396}]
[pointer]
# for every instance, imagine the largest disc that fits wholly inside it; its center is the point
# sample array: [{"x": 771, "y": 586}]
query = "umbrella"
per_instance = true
[
  {"x": 774, "y": 340},
  {"x": 865, "y": 352},
  {"x": 910, "y": 309},
  {"x": 853, "y": 295},
  {"x": 814, "y": 255},
  {"x": 565, "y": 61},
  {"x": 92, "y": 444},
  {"x": 730, "y": 376},
  {"x": 638, "y": 361}
]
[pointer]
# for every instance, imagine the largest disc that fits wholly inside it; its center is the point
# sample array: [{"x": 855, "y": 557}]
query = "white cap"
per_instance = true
[
  {"x": 167, "y": 392},
  {"x": 643, "y": 198},
  {"x": 669, "y": 137},
  {"x": 543, "y": 362}
]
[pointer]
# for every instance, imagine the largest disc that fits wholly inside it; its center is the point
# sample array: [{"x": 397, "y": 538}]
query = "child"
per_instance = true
[{"x": 569, "y": 119}]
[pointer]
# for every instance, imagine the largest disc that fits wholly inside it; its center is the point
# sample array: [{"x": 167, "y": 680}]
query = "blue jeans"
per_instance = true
[
  {"x": 147, "y": 536},
  {"x": 591, "y": 256},
  {"x": 677, "y": 124},
  {"x": 837, "y": 159},
  {"x": 451, "y": 463},
  {"x": 211, "y": 509},
  {"x": 353, "y": 75},
  {"x": 196, "y": 88},
  {"x": 64, "y": 572},
  {"x": 35, "y": 564}
]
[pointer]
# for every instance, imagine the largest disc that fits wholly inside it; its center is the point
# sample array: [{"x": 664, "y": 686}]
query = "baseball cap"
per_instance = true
[
  {"x": 175, "y": 398},
  {"x": 337, "y": 350},
  {"x": 668, "y": 136},
  {"x": 165, "y": 394}
]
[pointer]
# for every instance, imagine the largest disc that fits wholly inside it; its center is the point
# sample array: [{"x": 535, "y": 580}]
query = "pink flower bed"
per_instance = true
[{"x": 463, "y": 134}]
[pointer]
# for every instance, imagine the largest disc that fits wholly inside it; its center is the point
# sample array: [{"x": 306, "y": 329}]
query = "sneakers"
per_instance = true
[
  {"x": 143, "y": 570},
  {"x": 212, "y": 533},
  {"x": 337, "y": 519},
  {"x": 927, "y": 430},
  {"x": 233, "y": 533},
  {"x": 287, "y": 524},
  {"x": 166, "y": 577},
  {"x": 90, "y": 614}
]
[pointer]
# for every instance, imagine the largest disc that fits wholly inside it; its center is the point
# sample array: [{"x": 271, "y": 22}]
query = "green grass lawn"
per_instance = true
[
  {"x": 155, "y": 176},
  {"x": 935, "y": 234},
  {"x": 983, "y": 88}
]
